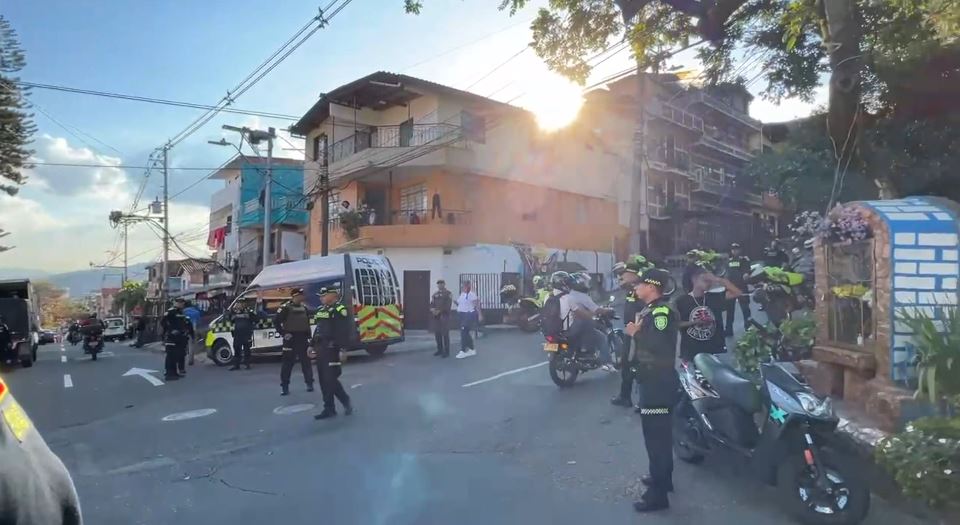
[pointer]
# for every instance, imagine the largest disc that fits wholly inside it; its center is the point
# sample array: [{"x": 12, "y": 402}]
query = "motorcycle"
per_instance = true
[
  {"x": 93, "y": 345},
  {"x": 780, "y": 292},
  {"x": 566, "y": 363},
  {"x": 523, "y": 312},
  {"x": 791, "y": 449}
]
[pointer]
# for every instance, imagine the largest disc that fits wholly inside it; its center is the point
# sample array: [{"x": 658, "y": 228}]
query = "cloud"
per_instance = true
[
  {"x": 105, "y": 183},
  {"x": 23, "y": 216},
  {"x": 789, "y": 108}
]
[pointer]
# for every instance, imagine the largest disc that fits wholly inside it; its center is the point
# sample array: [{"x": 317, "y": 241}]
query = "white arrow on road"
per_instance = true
[{"x": 144, "y": 373}]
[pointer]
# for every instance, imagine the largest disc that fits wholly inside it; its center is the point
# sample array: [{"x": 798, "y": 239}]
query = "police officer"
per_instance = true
[
  {"x": 35, "y": 487},
  {"x": 330, "y": 338},
  {"x": 655, "y": 342},
  {"x": 629, "y": 274},
  {"x": 293, "y": 324},
  {"x": 440, "y": 305},
  {"x": 244, "y": 321},
  {"x": 738, "y": 269},
  {"x": 177, "y": 331}
]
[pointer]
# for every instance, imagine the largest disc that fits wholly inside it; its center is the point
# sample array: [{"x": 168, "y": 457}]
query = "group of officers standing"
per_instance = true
[{"x": 325, "y": 343}]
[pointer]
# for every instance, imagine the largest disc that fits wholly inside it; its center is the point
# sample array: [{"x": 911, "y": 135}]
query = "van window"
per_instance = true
[{"x": 376, "y": 287}]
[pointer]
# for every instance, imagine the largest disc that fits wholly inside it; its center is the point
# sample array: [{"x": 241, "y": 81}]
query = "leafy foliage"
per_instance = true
[
  {"x": 752, "y": 349},
  {"x": 938, "y": 353},
  {"x": 131, "y": 295},
  {"x": 925, "y": 460},
  {"x": 16, "y": 126},
  {"x": 351, "y": 221},
  {"x": 798, "y": 333}
]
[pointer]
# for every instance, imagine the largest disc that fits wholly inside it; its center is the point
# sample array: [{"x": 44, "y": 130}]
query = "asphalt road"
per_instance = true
[{"x": 488, "y": 439}]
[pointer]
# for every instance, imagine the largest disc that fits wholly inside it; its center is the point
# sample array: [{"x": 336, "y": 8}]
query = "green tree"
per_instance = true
[
  {"x": 16, "y": 126},
  {"x": 131, "y": 295}
]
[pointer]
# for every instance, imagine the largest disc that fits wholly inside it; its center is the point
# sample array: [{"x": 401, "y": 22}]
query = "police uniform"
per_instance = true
[
  {"x": 736, "y": 268},
  {"x": 440, "y": 304},
  {"x": 243, "y": 324},
  {"x": 177, "y": 331},
  {"x": 631, "y": 307},
  {"x": 331, "y": 335},
  {"x": 293, "y": 324},
  {"x": 655, "y": 355},
  {"x": 35, "y": 487}
]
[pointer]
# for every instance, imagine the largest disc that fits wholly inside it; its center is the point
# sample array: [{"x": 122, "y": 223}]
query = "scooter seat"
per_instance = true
[{"x": 728, "y": 382}]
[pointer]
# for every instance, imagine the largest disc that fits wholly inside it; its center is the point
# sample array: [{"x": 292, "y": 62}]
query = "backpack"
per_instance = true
[{"x": 551, "y": 323}]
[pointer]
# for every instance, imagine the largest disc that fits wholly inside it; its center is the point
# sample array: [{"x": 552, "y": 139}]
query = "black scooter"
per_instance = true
[
  {"x": 93, "y": 345},
  {"x": 792, "y": 446}
]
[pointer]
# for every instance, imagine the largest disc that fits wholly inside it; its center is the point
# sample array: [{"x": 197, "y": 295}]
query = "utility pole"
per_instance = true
[
  {"x": 124, "y": 254},
  {"x": 254, "y": 137},
  {"x": 324, "y": 201},
  {"x": 166, "y": 233}
]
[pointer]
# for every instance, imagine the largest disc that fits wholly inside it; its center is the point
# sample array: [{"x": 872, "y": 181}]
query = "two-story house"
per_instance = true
[
  {"x": 451, "y": 185},
  {"x": 236, "y": 214},
  {"x": 697, "y": 142}
]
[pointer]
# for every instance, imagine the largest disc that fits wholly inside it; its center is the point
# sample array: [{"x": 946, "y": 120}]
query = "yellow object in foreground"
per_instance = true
[{"x": 17, "y": 420}]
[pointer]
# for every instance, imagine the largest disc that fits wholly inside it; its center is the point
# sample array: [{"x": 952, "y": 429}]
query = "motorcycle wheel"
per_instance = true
[
  {"x": 683, "y": 433},
  {"x": 562, "y": 377},
  {"x": 845, "y": 502}
]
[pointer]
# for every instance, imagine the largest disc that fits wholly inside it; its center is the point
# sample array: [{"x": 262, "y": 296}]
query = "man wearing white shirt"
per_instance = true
[
  {"x": 577, "y": 310},
  {"x": 468, "y": 310}
]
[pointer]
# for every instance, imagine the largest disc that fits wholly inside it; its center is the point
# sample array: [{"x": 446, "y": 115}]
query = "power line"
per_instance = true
[
  {"x": 498, "y": 66},
  {"x": 462, "y": 46},
  {"x": 151, "y": 100}
]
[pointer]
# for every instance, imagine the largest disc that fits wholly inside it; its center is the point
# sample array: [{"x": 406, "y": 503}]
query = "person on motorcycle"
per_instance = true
[
  {"x": 775, "y": 256},
  {"x": 578, "y": 310},
  {"x": 654, "y": 333},
  {"x": 628, "y": 272},
  {"x": 738, "y": 270}
]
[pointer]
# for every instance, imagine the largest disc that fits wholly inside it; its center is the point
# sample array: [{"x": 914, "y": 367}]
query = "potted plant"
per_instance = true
[{"x": 351, "y": 221}]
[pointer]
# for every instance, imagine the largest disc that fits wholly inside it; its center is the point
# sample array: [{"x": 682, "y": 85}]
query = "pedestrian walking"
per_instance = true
[
  {"x": 440, "y": 305},
  {"x": 468, "y": 312},
  {"x": 330, "y": 338},
  {"x": 738, "y": 269},
  {"x": 654, "y": 336},
  {"x": 177, "y": 332},
  {"x": 293, "y": 324},
  {"x": 243, "y": 321}
]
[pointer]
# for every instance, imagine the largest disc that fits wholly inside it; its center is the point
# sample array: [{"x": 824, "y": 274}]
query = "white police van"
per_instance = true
[{"x": 369, "y": 290}]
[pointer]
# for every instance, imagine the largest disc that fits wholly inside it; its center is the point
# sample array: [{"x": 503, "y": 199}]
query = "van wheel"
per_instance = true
[
  {"x": 26, "y": 361},
  {"x": 222, "y": 353},
  {"x": 376, "y": 350}
]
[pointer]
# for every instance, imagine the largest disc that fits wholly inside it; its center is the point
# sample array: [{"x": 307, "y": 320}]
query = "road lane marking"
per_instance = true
[
  {"x": 62, "y": 349},
  {"x": 190, "y": 414},
  {"x": 63, "y": 359},
  {"x": 67, "y": 381},
  {"x": 144, "y": 373},
  {"x": 504, "y": 374},
  {"x": 293, "y": 409}
]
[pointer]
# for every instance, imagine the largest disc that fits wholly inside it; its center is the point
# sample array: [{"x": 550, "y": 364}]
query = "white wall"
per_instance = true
[{"x": 292, "y": 245}]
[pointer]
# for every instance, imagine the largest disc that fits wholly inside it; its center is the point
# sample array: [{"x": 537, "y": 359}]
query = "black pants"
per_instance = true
[
  {"x": 329, "y": 369},
  {"x": 242, "y": 344},
  {"x": 176, "y": 351},
  {"x": 626, "y": 371},
  {"x": 659, "y": 394},
  {"x": 442, "y": 334},
  {"x": 729, "y": 311},
  {"x": 295, "y": 349}
]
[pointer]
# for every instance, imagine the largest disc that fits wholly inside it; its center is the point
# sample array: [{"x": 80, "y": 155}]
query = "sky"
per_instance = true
[{"x": 196, "y": 51}]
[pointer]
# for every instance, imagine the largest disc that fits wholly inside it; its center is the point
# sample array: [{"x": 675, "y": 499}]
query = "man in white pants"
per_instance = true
[{"x": 468, "y": 310}]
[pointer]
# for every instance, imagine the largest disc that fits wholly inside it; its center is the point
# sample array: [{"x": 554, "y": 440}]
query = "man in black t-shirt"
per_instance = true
[{"x": 700, "y": 313}]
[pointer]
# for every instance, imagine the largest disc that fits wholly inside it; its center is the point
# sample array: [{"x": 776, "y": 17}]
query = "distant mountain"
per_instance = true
[
  {"x": 82, "y": 282},
  {"x": 28, "y": 273}
]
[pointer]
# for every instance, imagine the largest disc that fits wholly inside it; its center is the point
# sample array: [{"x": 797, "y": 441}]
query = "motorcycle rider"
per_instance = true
[
  {"x": 629, "y": 275},
  {"x": 578, "y": 310},
  {"x": 655, "y": 342},
  {"x": 177, "y": 331},
  {"x": 738, "y": 269},
  {"x": 244, "y": 321},
  {"x": 774, "y": 256},
  {"x": 93, "y": 327},
  {"x": 329, "y": 340}
]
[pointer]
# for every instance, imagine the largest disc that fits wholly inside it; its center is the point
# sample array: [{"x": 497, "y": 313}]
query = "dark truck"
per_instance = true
[{"x": 21, "y": 314}]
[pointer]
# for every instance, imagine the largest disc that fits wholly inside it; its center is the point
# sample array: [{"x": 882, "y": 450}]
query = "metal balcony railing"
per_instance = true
[
  {"x": 399, "y": 136},
  {"x": 725, "y": 147},
  {"x": 683, "y": 118},
  {"x": 723, "y": 107}
]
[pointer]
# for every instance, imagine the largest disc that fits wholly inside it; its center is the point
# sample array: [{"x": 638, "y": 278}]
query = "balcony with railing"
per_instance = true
[
  {"x": 224, "y": 197},
  {"x": 678, "y": 116},
  {"x": 725, "y": 143},
  {"x": 669, "y": 159},
  {"x": 722, "y": 107},
  {"x": 409, "y": 228},
  {"x": 722, "y": 182}
]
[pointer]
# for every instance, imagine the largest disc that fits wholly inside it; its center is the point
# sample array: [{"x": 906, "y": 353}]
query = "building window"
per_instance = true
[
  {"x": 474, "y": 127},
  {"x": 413, "y": 198},
  {"x": 319, "y": 147}
]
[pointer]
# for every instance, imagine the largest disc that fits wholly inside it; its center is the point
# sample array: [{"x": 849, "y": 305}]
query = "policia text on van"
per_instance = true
[{"x": 371, "y": 294}]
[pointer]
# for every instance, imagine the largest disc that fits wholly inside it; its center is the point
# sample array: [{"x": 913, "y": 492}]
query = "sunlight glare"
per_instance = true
[{"x": 555, "y": 101}]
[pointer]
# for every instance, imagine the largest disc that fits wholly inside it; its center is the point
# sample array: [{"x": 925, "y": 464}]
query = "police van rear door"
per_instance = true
[{"x": 377, "y": 308}]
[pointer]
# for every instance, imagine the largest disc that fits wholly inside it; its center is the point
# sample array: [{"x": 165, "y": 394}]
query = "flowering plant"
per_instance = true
[
  {"x": 925, "y": 460},
  {"x": 845, "y": 224}
]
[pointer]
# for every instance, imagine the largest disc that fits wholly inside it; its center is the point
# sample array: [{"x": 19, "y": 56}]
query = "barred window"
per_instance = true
[{"x": 376, "y": 287}]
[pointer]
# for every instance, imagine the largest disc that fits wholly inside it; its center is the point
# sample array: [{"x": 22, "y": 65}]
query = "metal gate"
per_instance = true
[{"x": 487, "y": 288}]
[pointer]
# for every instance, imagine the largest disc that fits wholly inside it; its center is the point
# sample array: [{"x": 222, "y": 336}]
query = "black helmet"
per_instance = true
[
  {"x": 656, "y": 277},
  {"x": 580, "y": 281},
  {"x": 561, "y": 281}
]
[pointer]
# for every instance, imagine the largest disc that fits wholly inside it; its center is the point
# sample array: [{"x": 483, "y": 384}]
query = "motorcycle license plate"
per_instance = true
[{"x": 550, "y": 347}]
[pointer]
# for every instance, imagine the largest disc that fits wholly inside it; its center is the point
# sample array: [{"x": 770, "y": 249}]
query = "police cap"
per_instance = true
[
  {"x": 656, "y": 277},
  {"x": 328, "y": 289}
]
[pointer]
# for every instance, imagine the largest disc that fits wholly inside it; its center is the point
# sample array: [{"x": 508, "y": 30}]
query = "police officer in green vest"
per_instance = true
[
  {"x": 330, "y": 338},
  {"x": 654, "y": 335},
  {"x": 293, "y": 324}
]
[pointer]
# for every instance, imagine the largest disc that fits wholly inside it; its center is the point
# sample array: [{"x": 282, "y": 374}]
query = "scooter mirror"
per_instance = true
[{"x": 612, "y": 298}]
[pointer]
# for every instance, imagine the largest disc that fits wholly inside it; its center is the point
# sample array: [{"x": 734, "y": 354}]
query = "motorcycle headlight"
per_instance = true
[{"x": 815, "y": 406}]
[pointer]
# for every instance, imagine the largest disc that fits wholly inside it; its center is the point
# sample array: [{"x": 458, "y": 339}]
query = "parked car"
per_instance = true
[
  {"x": 47, "y": 337},
  {"x": 116, "y": 329}
]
